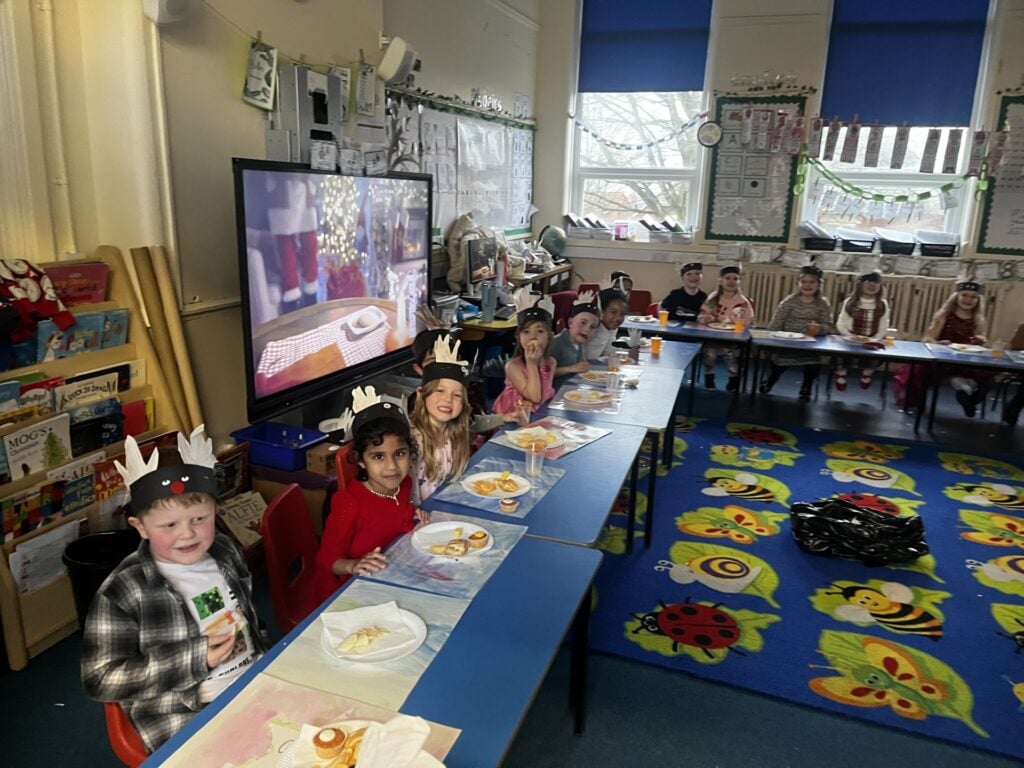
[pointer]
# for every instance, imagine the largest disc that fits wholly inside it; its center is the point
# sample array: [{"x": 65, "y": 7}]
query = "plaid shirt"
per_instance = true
[{"x": 142, "y": 647}]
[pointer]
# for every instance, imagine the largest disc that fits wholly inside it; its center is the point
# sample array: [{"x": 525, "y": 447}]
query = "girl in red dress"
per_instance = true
[
  {"x": 367, "y": 515},
  {"x": 960, "y": 320}
]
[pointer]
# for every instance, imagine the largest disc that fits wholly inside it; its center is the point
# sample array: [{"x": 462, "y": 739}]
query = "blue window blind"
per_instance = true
[
  {"x": 912, "y": 61},
  {"x": 644, "y": 45}
]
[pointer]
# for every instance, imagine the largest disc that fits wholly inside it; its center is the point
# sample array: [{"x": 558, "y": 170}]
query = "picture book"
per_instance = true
[
  {"x": 25, "y": 511},
  {"x": 79, "y": 481},
  {"x": 79, "y": 283},
  {"x": 136, "y": 420},
  {"x": 39, "y": 392},
  {"x": 86, "y": 334},
  {"x": 241, "y": 516},
  {"x": 79, "y": 391},
  {"x": 129, "y": 375},
  {"x": 232, "y": 470},
  {"x": 51, "y": 341},
  {"x": 24, "y": 353},
  {"x": 111, "y": 496},
  {"x": 115, "y": 328},
  {"x": 10, "y": 392},
  {"x": 96, "y": 424},
  {"x": 40, "y": 446}
]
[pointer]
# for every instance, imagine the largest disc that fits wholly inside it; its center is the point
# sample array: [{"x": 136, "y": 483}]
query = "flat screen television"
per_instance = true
[{"x": 333, "y": 268}]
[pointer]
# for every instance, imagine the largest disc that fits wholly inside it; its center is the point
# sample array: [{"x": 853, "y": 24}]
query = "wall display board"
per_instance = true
[
  {"x": 479, "y": 164},
  {"x": 1002, "y": 220},
  {"x": 753, "y": 168}
]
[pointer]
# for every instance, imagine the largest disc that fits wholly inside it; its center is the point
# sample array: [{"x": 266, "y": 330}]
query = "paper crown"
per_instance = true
[
  {"x": 367, "y": 406},
  {"x": 810, "y": 269},
  {"x": 530, "y": 308},
  {"x": 446, "y": 363},
  {"x": 970, "y": 285},
  {"x": 690, "y": 267},
  {"x": 148, "y": 482},
  {"x": 608, "y": 295},
  {"x": 730, "y": 269},
  {"x": 585, "y": 302},
  {"x": 870, "y": 277}
]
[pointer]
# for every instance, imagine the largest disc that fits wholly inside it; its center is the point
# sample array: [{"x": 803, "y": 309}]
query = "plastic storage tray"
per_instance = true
[
  {"x": 278, "y": 445},
  {"x": 929, "y": 249},
  {"x": 819, "y": 244},
  {"x": 896, "y": 247},
  {"x": 858, "y": 246}
]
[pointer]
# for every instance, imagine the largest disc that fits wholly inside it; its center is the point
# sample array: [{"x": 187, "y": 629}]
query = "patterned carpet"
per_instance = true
[{"x": 935, "y": 647}]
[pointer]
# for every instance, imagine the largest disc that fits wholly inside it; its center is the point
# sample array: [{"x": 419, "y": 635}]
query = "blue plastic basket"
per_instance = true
[{"x": 278, "y": 445}]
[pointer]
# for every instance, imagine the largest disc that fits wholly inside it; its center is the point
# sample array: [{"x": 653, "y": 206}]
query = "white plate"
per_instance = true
[
  {"x": 596, "y": 377},
  {"x": 365, "y": 320},
  {"x": 523, "y": 484},
  {"x": 642, "y": 319},
  {"x": 588, "y": 397},
  {"x": 791, "y": 335},
  {"x": 972, "y": 349},
  {"x": 441, "y": 533},
  {"x": 722, "y": 326},
  {"x": 553, "y": 439},
  {"x": 412, "y": 621},
  {"x": 348, "y": 726},
  {"x": 857, "y": 339}
]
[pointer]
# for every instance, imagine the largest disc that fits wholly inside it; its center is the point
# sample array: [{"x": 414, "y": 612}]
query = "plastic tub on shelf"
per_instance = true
[{"x": 278, "y": 445}]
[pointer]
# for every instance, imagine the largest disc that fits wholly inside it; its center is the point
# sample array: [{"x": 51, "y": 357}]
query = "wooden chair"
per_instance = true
[
  {"x": 124, "y": 739},
  {"x": 290, "y": 542},
  {"x": 639, "y": 301},
  {"x": 346, "y": 469}
]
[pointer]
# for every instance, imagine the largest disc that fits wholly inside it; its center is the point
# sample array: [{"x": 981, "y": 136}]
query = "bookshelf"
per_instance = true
[{"x": 35, "y": 620}]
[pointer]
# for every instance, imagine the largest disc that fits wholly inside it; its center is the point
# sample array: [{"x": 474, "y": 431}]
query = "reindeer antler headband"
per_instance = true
[
  {"x": 148, "y": 482},
  {"x": 585, "y": 302},
  {"x": 367, "y": 406},
  {"x": 530, "y": 309}
]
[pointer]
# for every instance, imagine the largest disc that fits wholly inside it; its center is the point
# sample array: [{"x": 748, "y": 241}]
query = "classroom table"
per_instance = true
[
  {"x": 943, "y": 355},
  {"x": 575, "y": 510},
  {"x": 486, "y": 675},
  {"x": 651, "y": 405}
]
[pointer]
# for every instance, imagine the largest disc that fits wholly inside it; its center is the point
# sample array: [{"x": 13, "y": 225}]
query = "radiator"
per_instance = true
[{"x": 913, "y": 300}]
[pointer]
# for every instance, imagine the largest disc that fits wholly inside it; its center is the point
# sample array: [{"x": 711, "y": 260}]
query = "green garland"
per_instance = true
[
  {"x": 455, "y": 105},
  {"x": 854, "y": 191}
]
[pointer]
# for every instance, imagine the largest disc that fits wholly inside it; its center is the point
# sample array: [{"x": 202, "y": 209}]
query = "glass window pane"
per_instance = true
[
  {"x": 613, "y": 199},
  {"x": 912, "y": 160},
  {"x": 835, "y": 210},
  {"x": 638, "y": 119}
]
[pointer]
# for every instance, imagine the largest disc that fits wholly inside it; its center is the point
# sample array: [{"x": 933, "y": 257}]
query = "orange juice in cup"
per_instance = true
[
  {"x": 662, "y": 317},
  {"x": 738, "y": 325},
  {"x": 613, "y": 363},
  {"x": 656, "y": 345}
]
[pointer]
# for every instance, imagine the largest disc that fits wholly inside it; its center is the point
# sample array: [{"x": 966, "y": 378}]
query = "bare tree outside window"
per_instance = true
[{"x": 660, "y": 179}]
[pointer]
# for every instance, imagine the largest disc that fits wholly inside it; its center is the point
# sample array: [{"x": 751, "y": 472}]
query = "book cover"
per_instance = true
[
  {"x": 79, "y": 391},
  {"x": 39, "y": 446},
  {"x": 95, "y": 425},
  {"x": 86, "y": 334},
  {"x": 241, "y": 516},
  {"x": 111, "y": 494},
  {"x": 115, "y": 328},
  {"x": 39, "y": 392},
  {"x": 134, "y": 413},
  {"x": 232, "y": 469},
  {"x": 24, "y": 353},
  {"x": 79, "y": 481},
  {"x": 79, "y": 283},
  {"x": 51, "y": 341},
  {"x": 129, "y": 374},
  {"x": 10, "y": 394},
  {"x": 150, "y": 412},
  {"x": 20, "y": 513}
]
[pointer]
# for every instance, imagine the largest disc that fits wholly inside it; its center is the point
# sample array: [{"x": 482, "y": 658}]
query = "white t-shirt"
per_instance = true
[{"x": 215, "y": 609}]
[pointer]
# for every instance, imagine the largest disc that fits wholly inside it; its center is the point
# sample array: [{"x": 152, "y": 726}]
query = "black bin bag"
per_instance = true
[{"x": 837, "y": 528}]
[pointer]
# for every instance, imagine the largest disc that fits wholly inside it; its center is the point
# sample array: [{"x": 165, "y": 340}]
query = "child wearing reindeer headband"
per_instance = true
[
  {"x": 174, "y": 624},
  {"x": 440, "y": 420},
  {"x": 531, "y": 371},
  {"x": 367, "y": 515},
  {"x": 569, "y": 346}
]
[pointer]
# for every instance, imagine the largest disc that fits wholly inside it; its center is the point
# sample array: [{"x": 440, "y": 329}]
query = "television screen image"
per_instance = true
[{"x": 333, "y": 268}]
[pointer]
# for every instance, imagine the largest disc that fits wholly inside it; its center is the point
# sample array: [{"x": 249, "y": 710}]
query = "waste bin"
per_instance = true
[{"x": 90, "y": 559}]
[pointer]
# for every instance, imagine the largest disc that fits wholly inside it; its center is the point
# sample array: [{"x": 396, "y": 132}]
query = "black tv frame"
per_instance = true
[{"x": 260, "y": 409}]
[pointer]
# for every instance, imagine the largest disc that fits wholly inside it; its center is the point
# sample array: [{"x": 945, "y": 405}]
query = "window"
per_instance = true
[
  {"x": 831, "y": 208},
  {"x": 616, "y": 182}
]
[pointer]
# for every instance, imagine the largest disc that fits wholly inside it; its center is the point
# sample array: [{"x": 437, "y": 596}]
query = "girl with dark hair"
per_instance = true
[{"x": 369, "y": 514}]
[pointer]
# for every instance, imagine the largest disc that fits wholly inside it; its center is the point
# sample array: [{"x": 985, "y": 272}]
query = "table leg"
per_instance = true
[
  {"x": 652, "y": 482},
  {"x": 634, "y": 477},
  {"x": 756, "y": 379},
  {"x": 924, "y": 395},
  {"x": 578, "y": 662},
  {"x": 670, "y": 431},
  {"x": 936, "y": 382},
  {"x": 745, "y": 366},
  {"x": 694, "y": 373}
]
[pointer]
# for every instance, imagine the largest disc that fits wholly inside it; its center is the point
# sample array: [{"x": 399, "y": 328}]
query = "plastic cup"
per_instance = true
[
  {"x": 613, "y": 363},
  {"x": 656, "y": 345},
  {"x": 738, "y": 326},
  {"x": 997, "y": 348},
  {"x": 535, "y": 459},
  {"x": 522, "y": 415},
  {"x": 890, "y": 337},
  {"x": 612, "y": 382},
  {"x": 662, "y": 317}
]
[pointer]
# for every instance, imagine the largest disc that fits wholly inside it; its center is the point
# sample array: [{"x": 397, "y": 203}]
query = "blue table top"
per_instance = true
[
  {"x": 651, "y": 405},
  {"x": 486, "y": 675},
  {"x": 986, "y": 359},
  {"x": 676, "y": 329},
  {"x": 674, "y": 354},
  {"x": 488, "y": 672},
  {"x": 575, "y": 510},
  {"x": 910, "y": 351}
]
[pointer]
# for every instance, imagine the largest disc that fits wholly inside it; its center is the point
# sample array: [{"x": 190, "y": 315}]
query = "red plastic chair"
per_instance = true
[
  {"x": 290, "y": 543},
  {"x": 563, "y": 301},
  {"x": 639, "y": 301},
  {"x": 124, "y": 739},
  {"x": 345, "y": 469},
  {"x": 652, "y": 309},
  {"x": 588, "y": 287}
]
